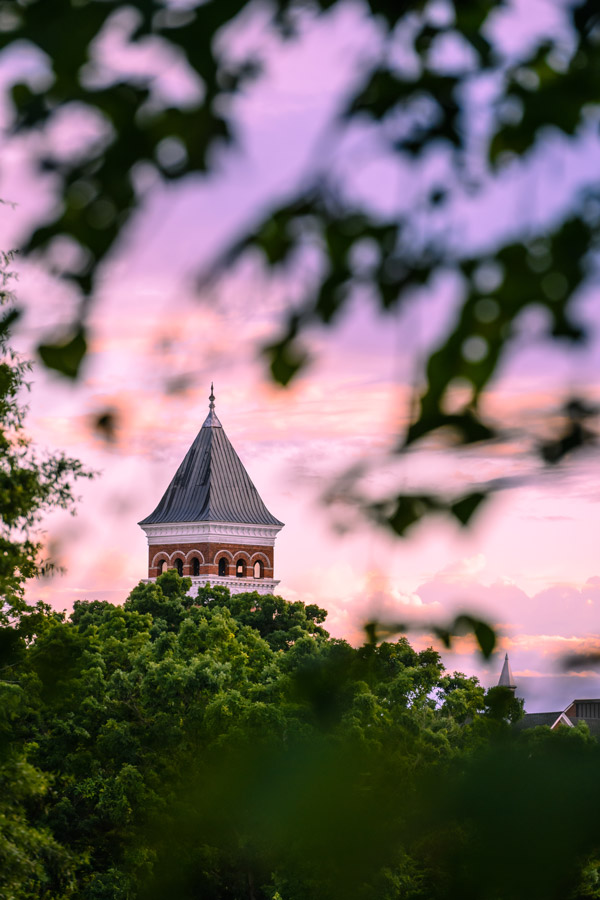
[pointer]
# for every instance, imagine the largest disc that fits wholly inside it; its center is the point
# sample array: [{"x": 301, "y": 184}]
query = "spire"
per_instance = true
[
  {"x": 506, "y": 676},
  {"x": 211, "y": 484},
  {"x": 211, "y": 420}
]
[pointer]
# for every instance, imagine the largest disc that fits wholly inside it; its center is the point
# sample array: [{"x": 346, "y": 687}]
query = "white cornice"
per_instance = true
[{"x": 221, "y": 532}]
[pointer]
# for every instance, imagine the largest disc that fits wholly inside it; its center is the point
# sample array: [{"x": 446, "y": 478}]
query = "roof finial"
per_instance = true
[{"x": 211, "y": 405}]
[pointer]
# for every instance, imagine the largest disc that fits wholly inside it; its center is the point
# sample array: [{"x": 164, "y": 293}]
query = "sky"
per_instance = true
[{"x": 530, "y": 563}]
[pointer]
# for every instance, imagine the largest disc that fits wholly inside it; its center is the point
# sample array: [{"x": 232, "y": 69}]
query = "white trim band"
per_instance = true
[
  {"x": 198, "y": 532},
  {"x": 235, "y": 585}
]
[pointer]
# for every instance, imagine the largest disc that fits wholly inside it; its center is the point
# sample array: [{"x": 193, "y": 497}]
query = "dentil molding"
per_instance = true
[{"x": 197, "y": 532}]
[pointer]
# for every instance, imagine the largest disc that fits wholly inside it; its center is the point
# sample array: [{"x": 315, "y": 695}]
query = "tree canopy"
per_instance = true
[{"x": 222, "y": 746}]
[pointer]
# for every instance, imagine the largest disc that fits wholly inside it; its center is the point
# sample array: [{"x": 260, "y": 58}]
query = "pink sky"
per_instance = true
[{"x": 531, "y": 561}]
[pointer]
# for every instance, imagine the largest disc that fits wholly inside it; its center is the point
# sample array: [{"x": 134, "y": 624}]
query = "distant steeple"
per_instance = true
[
  {"x": 506, "y": 676},
  {"x": 211, "y": 420}
]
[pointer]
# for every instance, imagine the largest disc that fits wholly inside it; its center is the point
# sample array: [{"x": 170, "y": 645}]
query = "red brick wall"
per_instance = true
[{"x": 211, "y": 553}]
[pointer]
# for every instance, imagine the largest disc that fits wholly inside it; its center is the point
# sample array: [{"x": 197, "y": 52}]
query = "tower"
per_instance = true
[{"x": 211, "y": 523}]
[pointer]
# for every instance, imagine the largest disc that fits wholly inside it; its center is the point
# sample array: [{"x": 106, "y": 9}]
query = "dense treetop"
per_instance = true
[{"x": 223, "y": 746}]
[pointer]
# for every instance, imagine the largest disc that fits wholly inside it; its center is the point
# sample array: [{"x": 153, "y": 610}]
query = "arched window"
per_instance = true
[
  {"x": 179, "y": 564},
  {"x": 258, "y": 569},
  {"x": 195, "y": 566},
  {"x": 222, "y": 566},
  {"x": 161, "y": 566},
  {"x": 240, "y": 569}
]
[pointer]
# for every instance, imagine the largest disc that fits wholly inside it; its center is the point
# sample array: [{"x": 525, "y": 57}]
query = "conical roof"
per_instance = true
[
  {"x": 211, "y": 484},
  {"x": 506, "y": 676}
]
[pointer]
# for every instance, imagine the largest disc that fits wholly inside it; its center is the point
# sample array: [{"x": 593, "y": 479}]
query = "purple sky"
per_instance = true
[{"x": 530, "y": 563}]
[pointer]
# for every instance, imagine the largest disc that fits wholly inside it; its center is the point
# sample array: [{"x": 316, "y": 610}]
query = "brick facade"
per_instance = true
[{"x": 209, "y": 555}]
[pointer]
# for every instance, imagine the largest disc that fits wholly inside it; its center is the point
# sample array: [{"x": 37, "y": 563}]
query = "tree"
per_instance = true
[
  {"x": 415, "y": 111},
  {"x": 30, "y": 485},
  {"x": 30, "y": 857}
]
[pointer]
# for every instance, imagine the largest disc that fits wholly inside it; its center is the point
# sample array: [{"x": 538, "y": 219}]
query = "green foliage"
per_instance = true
[
  {"x": 279, "y": 622},
  {"x": 65, "y": 356},
  {"x": 38, "y": 658},
  {"x": 32, "y": 862},
  {"x": 502, "y": 704},
  {"x": 30, "y": 485},
  {"x": 226, "y": 746}
]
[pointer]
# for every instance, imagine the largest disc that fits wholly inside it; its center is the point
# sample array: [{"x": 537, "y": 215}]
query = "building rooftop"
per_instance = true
[
  {"x": 532, "y": 720},
  {"x": 211, "y": 484}
]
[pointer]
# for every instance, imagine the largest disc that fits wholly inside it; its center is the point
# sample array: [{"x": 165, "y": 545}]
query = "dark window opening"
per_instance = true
[
  {"x": 179, "y": 565},
  {"x": 240, "y": 568},
  {"x": 222, "y": 566},
  {"x": 258, "y": 569},
  {"x": 161, "y": 566},
  {"x": 195, "y": 566}
]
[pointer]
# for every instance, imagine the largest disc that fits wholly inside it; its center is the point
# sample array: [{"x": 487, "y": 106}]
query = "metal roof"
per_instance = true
[
  {"x": 532, "y": 720},
  {"x": 506, "y": 676},
  {"x": 211, "y": 484}
]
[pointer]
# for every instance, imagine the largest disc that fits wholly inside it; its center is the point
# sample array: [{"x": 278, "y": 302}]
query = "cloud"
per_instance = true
[{"x": 463, "y": 569}]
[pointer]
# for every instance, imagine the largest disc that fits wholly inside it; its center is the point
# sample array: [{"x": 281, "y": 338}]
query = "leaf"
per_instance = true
[
  {"x": 443, "y": 634},
  {"x": 105, "y": 423},
  {"x": 285, "y": 360},
  {"x": 464, "y": 508},
  {"x": 65, "y": 356},
  {"x": 484, "y": 633},
  {"x": 469, "y": 428},
  {"x": 8, "y": 320},
  {"x": 575, "y": 433},
  {"x": 408, "y": 511},
  {"x": 580, "y": 661}
]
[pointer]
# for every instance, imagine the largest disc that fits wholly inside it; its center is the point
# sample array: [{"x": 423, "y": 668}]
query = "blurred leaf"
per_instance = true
[
  {"x": 575, "y": 434},
  {"x": 65, "y": 356},
  {"x": 464, "y": 623},
  {"x": 285, "y": 358},
  {"x": 8, "y": 319},
  {"x": 405, "y": 510},
  {"x": 556, "y": 99},
  {"x": 580, "y": 661},
  {"x": 484, "y": 633},
  {"x": 464, "y": 508},
  {"x": 105, "y": 424}
]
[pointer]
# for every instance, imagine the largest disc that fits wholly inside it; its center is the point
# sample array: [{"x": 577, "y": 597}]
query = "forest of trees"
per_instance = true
[{"x": 225, "y": 746}]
